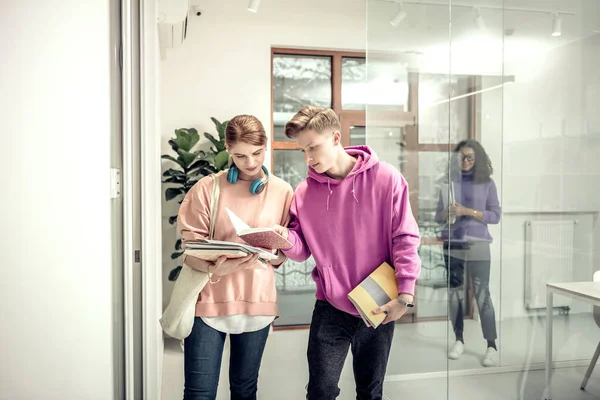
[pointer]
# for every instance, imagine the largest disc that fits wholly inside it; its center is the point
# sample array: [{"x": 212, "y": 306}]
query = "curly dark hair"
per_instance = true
[{"x": 483, "y": 165}]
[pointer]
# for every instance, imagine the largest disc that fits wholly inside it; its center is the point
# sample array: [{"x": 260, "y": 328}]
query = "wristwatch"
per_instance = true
[{"x": 405, "y": 303}]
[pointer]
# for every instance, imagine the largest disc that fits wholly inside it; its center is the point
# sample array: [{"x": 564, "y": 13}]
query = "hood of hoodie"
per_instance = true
[{"x": 365, "y": 159}]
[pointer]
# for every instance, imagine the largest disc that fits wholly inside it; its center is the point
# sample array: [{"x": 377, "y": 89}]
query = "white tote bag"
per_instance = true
[{"x": 178, "y": 318}]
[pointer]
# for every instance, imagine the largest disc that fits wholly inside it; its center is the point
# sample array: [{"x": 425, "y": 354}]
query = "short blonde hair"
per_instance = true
[
  {"x": 312, "y": 118},
  {"x": 247, "y": 129}
]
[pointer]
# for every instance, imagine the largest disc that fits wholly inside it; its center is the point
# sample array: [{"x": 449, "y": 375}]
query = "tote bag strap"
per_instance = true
[{"x": 214, "y": 204}]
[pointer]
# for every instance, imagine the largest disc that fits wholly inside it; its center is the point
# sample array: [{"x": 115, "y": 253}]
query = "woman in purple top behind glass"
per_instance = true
[{"x": 467, "y": 241}]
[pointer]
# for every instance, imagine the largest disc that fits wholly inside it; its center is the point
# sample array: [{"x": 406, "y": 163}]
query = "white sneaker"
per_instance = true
[
  {"x": 456, "y": 350},
  {"x": 490, "y": 358}
]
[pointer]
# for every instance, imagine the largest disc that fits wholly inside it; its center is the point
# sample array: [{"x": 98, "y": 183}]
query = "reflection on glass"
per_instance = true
[
  {"x": 388, "y": 144},
  {"x": 297, "y": 81},
  {"x": 388, "y": 88},
  {"x": 358, "y": 135},
  {"x": 289, "y": 165},
  {"x": 431, "y": 294},
  {"x": 354, "y": 83},
  {"x": 443, "y": 113},
  {"x": 542, "y": 134},
  {"x": 293, "y": 280},
  {"x": 433, "y": 173},
  {"x": 472, "y": 206}
]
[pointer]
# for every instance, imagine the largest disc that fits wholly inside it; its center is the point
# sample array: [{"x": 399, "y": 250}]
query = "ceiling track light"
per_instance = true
[
  {"x": 399, "y": 16},
  {"x": 478, "y": 19},
  {"x": 253, "y": 5},
  {"x": 556, "y": 25}
]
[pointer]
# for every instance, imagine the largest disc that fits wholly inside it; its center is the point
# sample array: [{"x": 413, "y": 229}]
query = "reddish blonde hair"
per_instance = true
[
  {"x": 247, "y": 129},
  {"x": 312, "y": 118}
]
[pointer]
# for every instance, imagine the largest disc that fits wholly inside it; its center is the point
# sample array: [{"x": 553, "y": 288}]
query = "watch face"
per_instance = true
[{"x": 405, "y": 303}]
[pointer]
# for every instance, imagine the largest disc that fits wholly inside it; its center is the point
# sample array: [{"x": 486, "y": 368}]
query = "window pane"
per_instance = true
[
  {"x": 388, "y": 88},
  {"x": 354, "y": 83},
  {"x": 298, "y": 81},
  {"x": 358, "y": 135},
  {"x": 433, "y": 178},
  {"x": 433, "y": 166},
  {"x": 295, "y": 286},
  {"x": 443, "y": 114},
  {"x": 388, "y": 144},
  {"x": 289, "y": 165}
]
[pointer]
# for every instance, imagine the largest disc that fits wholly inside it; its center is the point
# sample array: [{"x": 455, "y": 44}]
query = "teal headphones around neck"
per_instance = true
[{"x": 257, "y": 186}]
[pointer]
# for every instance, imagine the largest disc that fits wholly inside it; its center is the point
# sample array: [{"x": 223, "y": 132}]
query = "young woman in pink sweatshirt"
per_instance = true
[{"x": 241, "y": 298}]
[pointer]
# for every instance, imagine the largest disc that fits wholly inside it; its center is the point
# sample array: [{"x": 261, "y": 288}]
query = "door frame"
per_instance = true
[
  {"x": 151, "y": 185},
  {"x": 142, "y": 272}
]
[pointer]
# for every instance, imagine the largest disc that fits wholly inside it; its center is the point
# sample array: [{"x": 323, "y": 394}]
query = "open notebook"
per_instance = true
[
  {"x": 265, "y": 238},
  {"x": 211, "y": 250}
]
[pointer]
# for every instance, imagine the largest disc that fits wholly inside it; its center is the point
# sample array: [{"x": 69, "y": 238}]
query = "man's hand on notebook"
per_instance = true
[
  {"x": 283, "y": 231},
  {"x": 393, "y": 309}
]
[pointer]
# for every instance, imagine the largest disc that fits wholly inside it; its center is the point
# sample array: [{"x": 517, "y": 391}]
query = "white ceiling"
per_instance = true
[{"x": 443, "y": 38}]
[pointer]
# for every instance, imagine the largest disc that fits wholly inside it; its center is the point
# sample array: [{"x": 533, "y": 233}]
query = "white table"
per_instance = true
[{"x": 588, "y": 292}]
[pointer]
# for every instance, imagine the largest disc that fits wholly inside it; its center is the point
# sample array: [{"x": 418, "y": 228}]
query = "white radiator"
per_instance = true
[{"x": 548, "y": 259}]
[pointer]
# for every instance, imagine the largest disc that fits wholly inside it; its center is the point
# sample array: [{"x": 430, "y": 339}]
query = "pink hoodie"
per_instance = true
[{"x": 351, "y": 226}]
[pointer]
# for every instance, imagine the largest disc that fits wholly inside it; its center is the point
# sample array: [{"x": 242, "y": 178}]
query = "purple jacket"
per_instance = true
[{"x": 478, "y": 196}]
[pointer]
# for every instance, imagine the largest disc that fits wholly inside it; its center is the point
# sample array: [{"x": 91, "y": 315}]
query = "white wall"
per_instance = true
[
  {"x": 544, "y": 140},
  {"x": 224, "y": 66},
  {"x": 56, "y": 337}
]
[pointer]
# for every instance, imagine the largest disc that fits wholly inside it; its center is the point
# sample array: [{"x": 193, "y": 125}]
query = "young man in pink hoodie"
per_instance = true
[{"x": 352, "y": 213}]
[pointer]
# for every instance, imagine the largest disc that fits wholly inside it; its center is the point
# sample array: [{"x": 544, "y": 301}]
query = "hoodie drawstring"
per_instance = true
[
  {"x": 353, "y": 192},
  {"x": 331, "y": 191}
]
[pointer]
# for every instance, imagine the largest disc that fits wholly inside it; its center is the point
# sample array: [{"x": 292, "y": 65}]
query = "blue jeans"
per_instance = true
[{"x": 203, "y": 352}]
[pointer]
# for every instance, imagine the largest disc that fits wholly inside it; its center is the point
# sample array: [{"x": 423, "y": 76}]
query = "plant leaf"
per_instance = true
[
  {"x": 171, "y": 158},
  {"x": 198, "y": 164},
  {"x": 222, "y": 130},
  {"x": 214, "y": 141},
  {"x": 173, "y": 172},
  {"x": 186, "y": 157},
  {"x": 173, "y": 145},
  {"x": 173, "y": 219},
  {"x": 220, "y": 127},
  {"x": 174, "y": 274},
  {"x": 171, "y": 193},
  {"x": 190, "y": 183},
  {"x": 194, "y": 137},
  {"x": 178, "y": 244},
  {"x": 202, "y": 171},
  {"x": 175, "y": 179},
  {"x": 176, "y": 255},
  {"x": 221, "y": 159},
  {"x": 183, "y": 139}
]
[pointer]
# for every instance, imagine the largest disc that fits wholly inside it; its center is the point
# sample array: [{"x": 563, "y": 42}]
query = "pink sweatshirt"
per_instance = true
[
  {"x": 351, "y": 226},
  {"x": 250, "y": 291}
]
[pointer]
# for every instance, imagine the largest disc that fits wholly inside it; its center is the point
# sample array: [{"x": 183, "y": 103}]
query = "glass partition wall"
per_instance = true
[{"x": 519, "y": 81}]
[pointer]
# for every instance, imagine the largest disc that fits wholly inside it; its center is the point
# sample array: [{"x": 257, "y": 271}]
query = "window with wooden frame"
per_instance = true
[
  {"x": 332, "y": 79},
  {"x": 414, "y": 121}
]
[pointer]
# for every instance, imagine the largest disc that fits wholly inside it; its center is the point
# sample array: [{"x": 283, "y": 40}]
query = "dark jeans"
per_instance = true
[
  {"x": 203, "y": 354},
  {"x": 332, "y": 332},
  {"x": 479, "y": 272}
]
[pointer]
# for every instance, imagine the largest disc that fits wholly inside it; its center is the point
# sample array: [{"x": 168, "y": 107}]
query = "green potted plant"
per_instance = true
[{"x": 190, "y": 165}]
